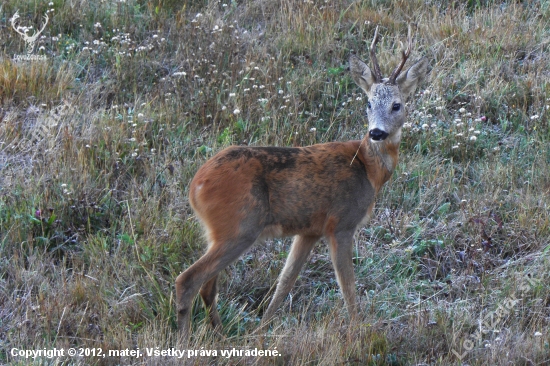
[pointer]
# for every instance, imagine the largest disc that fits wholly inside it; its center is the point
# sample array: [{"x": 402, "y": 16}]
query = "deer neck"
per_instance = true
[{"x": 380, "y": 159}]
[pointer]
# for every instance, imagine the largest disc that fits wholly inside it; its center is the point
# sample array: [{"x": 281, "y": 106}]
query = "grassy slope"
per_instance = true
[{"x": 94, "y": 219}]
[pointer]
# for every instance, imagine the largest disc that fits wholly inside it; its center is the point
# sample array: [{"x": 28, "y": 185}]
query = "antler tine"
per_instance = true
[
  {"x": 46, "y": 19},
  {"x": 374, "y": 60},
  {"x": 405, "y": 55}
]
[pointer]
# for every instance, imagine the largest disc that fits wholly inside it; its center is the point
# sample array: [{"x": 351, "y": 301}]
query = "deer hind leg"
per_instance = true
[
  {"x": 301, "y": 247},
  {"x": 209, "y": 292},
  {"x": 341, "y": 253},
  {"x": 203, "y": 274}
]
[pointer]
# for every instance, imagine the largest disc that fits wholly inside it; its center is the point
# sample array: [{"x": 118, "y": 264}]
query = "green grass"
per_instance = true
[{"x": 134, "y": 96}]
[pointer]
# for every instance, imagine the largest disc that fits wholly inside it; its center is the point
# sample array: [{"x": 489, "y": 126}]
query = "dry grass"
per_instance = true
[{"x": 99, "y": 142}]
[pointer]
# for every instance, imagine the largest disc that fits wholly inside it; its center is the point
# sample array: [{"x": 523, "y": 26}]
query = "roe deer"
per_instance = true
[{"x": 327, "y": 190}]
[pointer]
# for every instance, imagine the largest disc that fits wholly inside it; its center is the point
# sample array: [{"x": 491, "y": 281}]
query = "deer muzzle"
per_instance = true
[{"x": 377, "y": 134}]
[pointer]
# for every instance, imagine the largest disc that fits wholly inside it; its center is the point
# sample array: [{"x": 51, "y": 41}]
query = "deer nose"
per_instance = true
[{"x": 377, "y": 134}]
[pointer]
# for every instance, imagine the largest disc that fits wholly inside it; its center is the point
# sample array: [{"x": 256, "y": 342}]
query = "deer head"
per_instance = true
[
  {"x": 29, "y": 40},
  {"x": 387, "y": 96}
]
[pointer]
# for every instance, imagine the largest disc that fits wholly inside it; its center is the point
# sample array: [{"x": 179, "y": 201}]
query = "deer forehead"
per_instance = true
[{"x": 384, "y": 94}]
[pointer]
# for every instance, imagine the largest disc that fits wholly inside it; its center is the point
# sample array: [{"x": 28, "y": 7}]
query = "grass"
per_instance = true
[{"x": 99, "y": 142}]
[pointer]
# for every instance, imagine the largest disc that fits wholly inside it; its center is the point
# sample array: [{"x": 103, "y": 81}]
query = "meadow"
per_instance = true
[{"x": 102, "y": 131}]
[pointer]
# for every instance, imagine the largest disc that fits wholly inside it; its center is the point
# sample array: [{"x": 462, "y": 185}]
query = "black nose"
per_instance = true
[{"x": 377, "y": 134}]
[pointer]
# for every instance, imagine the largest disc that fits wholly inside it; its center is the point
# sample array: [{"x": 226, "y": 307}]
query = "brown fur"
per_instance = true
[{"x": 292, "y": 190}]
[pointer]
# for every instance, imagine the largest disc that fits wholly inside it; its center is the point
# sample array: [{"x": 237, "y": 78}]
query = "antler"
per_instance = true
[
  {"x": 374, "y": 60},
  {"x": 13, "y": 20},
  {"x": 405, "y": 56},
  {"x": 35, "y": 36}
]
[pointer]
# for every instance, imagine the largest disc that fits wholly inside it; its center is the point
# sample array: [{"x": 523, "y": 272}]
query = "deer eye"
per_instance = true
[
  {"x": 368, "y": 105},
  {"x": 396, "y": 107}
]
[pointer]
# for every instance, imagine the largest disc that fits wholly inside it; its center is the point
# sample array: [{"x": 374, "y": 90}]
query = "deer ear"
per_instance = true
[
  {"x": 361, "y": 73},
  {"x": 409, "y": 80}
]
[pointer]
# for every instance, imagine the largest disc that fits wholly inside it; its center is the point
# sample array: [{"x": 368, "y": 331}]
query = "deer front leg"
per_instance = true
[{"x": 341, "y": 251}]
